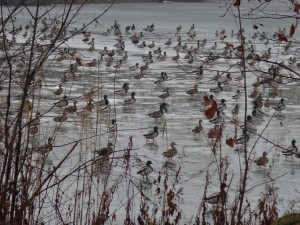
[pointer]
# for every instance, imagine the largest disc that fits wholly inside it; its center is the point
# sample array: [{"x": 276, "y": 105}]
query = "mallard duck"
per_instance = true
[
  {"x": 130, "y": 100},
  {"x": 244, "y": 137},
  {"x": 146, "y": 170},
  {"x": 152, "y": 45},
  {"x": 46, "y": 148},
  {"x": 113, "y": 126},
  {"x": 134, "y": 68},
  {"x": 162, "y": 57},
  {"x": 61, "y": 118},
  {"x": 237, "y": 95},
  {"x": 176, "y": 57},
  {"x": 227, "y": 79},
  {"x": 222, "y": 106},
  {"x": 259, "y": 112},
  {"x": 219, "y": 197},
  {"x": 59, "y": 90},
  {"x": 170, "y": 153},
  {"x": 105, "y": 151},
  {"x": 147, "y": 56},
  {"x": 106, "y": 105},
  {"x": 123, "y": 90},
  {"x": 159, "y": 113},
  {"x": 33, "y": 130},
  {"x": 217, "y": 89},
  {"x": 72, "y": 108},
  {"x": 62, "y": 103},
  {"x": 217, "y": 119},
  {"x": 152, "y": 134},
  {"x": 198, "y": 129},
  {"x": 280, "y": 106},
  {"x": 235, "y": 111},
  {"x": 193, "y": 91},
  {"x": 89, "y": 105},
  {"x": 207, "y": 100},
  {"x": 168, "y": 42},
  {"x": 290, "y": 151},
  {"x": 249, "y": 123},
  {"x": 101, "y": 102},
  {"x": 262, "y": 161},
  {"x": 165, "y": 95},
  {"x": 163, "y": 77}
]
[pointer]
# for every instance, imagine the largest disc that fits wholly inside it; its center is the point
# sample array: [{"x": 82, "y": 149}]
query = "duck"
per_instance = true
[
  {"x": 198, "y": 129},
  {"x": 92, "y": 63},
  {"x": 280, "y": 106},
  {"x": 176, "y": 57},
  {"x": 217, "y": 89},
  {"x": 142, "y": 45},
  {"x": 33, "y": 130},
  {"x": 130, "y": 100},
  {"x": 262, "y": 161},
  {"x": 249, "y": 123},
  {"x": 46, "y": 148},
  {"x": 163, "y": 77},
  {"x": 290, "y": 151},
  {"x": 59, "y": 90},
  {"x": 222, "y": 106},
  {"x": 124, "y": 89},
  {"x": 244, "y": 137},
  {"x": 218, "y": 197},
  {"x": 165, "y": 95},
  {"x": 105, "y": 151},
  {"x": 227, "y": 79},
  {"x": 207, "y": 100},
  {"x": 101, "y": 102},
  {"x": 162, "y": 57},
  {"x": 152, "y": 134},
  {"x": 237, "y": 95},
  {"x": 146, "y": 170},
  {"x": 134, "y": 68},
  {"x": 193, "y": 91},
  {"x": 89, "y": 105},
  {"x": 168, "y": 42},
  {"x": 152, "y": 45},
  {"x": 159, "y": 113},
  {"x": 106, "y": 105},
  {"x": 125, "y": 56},
  {"x": 217, "y": 119},
  {"x": 170, "y": 153},
  {"x": 62, "y": 103},
  {"x": 61, "y": 118},
  {"x": 113, "y": 126},
  {"x": 235, "y": 111},
  {"x": 72, "y": 108}
]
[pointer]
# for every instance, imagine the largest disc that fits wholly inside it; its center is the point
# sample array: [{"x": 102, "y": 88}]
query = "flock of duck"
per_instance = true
[{"x": 197, "y": 59}]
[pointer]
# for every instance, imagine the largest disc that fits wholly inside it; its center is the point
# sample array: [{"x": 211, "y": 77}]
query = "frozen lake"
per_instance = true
[{"x": 195, "y": 160}]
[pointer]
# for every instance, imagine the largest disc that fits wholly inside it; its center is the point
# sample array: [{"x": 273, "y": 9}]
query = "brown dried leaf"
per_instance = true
[{"x": 292, "y": 30}]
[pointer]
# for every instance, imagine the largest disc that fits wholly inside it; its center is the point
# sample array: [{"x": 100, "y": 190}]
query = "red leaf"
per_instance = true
[
  {"x": 230, "y": 142},
  {"x": 282, "y": 37},
  {"x": 237, "y": 3},
  {"x": 297, "y": 7}
]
